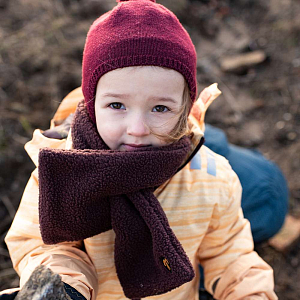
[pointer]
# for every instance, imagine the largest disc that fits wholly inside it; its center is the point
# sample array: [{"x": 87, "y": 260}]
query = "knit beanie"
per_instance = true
[{"x": 136, "y": 33}]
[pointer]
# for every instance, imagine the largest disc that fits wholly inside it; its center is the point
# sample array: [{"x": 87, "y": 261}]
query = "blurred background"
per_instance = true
[{"x": 251, "y": 48}]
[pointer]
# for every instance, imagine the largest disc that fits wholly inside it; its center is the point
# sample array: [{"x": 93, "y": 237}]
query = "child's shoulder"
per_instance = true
[
  {"x": 206, "y": 180},
  {"x": 39, "y": 141},
  {"x": 213, "y": 174},
  {"x": 209, "y": 164}
]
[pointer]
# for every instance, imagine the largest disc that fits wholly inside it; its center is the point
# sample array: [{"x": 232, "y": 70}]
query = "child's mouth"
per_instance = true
[{"x": 133, "y": 147}]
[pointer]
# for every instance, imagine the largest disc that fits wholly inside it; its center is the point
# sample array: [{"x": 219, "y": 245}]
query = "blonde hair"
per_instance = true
[{"x": 182, "y": 127}]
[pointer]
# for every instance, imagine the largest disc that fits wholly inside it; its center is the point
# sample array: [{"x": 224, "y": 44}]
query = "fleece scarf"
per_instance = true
[{"x": 91, "y": 189}]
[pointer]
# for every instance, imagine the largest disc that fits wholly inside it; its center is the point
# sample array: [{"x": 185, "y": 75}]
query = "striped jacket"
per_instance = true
[{"x": 202, "y": 203}]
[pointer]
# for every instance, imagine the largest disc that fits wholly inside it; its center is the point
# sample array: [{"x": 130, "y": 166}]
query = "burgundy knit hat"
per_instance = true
[{"x": 136, "y": 33}]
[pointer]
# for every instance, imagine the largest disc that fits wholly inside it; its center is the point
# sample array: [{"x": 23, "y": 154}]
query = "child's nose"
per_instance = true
[{"x": 137, "y": 126}]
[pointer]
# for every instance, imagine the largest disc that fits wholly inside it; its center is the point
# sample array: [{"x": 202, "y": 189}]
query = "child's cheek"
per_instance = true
[
  {"x": 111, "y": 134},
  {"x": 164, "y": 125}
]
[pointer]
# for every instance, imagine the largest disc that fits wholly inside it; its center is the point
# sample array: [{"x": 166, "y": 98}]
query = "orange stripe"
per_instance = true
[
  {"x": 103, "y": 252},
  {"x": 98, "y": 243},
  {"x": 177, "y": 194},
  {"x": 200, "y": 206},
  {"x": 109, "y": 278},
  {"x": 180, "y": 182},
  {"x": 190, "y": 237},
  {"x": 109, "y": 292},
  {"x": 189, "y": 222},
  {"x": 25, "y": 235},
  {"x": 100, "y": 270}
]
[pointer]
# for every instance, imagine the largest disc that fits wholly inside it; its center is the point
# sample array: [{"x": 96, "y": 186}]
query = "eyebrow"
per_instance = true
[
  {"x": 113, "y": 95},
  {"x": 164, "y": 99},
  {"x": 126, "y": 96}
]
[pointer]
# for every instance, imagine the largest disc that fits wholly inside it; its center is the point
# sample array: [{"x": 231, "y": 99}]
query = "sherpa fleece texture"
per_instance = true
[{"x": 92, "y": 189}]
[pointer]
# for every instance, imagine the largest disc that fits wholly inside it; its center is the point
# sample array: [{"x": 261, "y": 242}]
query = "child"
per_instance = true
[{"x": 131, "y": 202}]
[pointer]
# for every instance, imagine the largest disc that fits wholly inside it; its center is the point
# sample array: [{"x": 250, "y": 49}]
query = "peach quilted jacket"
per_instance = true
[{"x": 202, "y": 203}]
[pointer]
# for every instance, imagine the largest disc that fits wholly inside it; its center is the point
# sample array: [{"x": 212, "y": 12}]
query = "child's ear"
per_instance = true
[{"x": 207, "y": 96}]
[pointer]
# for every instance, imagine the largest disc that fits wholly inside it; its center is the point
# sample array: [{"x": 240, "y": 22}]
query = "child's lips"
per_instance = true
[{"x": 132, "y": 147}]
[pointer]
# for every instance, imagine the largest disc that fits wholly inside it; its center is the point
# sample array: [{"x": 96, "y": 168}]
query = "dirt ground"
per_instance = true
[{"x": 40, "y": 62}]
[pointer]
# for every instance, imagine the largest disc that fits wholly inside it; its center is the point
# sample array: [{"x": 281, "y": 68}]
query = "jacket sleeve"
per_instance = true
[
  {"x": 232, "y": 270},
  {"x": 27, "y": 249}
]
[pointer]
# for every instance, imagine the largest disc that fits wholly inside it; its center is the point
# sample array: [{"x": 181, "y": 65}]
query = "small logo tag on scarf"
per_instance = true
[{"x": 166, "y": 263}]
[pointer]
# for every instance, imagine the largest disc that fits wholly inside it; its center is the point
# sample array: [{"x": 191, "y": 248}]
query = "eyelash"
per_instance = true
[{"x": 112, "y": 105}]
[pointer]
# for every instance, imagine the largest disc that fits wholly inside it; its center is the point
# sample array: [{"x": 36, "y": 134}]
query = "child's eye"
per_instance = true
[
  {"x": 160, "y": 108},
  {"x": 116, "y": 105}
]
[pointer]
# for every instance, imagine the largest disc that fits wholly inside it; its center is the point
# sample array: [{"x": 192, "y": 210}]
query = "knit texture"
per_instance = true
[
  {"x": 91, "y": 189},
  {"x": 136, "y": 33}
]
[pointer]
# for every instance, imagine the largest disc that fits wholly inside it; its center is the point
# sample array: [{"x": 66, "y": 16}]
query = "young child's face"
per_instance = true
[{"x": 132, "y": 103}]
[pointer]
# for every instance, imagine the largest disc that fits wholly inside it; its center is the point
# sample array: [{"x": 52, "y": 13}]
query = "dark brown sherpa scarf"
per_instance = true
[{"x": 91, "y": 189}]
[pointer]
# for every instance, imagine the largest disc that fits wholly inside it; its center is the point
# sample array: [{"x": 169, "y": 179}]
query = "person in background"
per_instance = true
[{"x": 265, "y": 192}]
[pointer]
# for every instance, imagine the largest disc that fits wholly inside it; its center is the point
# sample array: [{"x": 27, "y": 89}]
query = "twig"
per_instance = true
[
  {"x": 11, "y": 210},
  {"x": 229, "y": 97}
]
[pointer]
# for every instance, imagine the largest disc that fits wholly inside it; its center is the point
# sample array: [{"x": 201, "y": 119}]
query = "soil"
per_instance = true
[{"x": 40, "y": 62}]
